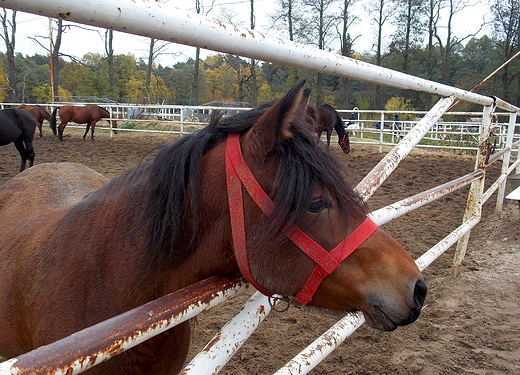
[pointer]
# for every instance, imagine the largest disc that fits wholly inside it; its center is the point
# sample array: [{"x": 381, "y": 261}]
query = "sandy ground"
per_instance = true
[{"x": 469, "y": 324}]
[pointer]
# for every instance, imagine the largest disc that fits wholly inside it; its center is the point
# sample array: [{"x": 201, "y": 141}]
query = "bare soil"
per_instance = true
[{"x": 469, "y": 324}]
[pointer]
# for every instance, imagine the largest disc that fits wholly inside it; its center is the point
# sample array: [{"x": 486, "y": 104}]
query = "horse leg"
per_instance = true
[
  {"x": 61, "y": 128},
  {"x": 86, "y": 130},
  {"x": 29, "y": 150},
  {"x": 329, "y": 133},
  {"x": 40, "y": 125},
  {"x": 93, "y": 127},
  {"x": 21, "y": 150}
]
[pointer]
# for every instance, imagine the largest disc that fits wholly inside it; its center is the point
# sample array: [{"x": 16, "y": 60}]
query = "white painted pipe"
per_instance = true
[
  {"x": 164, "y": 22},
  {"x": 225, "y": 344}
]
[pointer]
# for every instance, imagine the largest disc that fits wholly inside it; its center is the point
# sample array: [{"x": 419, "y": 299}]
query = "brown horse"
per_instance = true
[
  {"x": 255, "y": 193},
  {"x": 39, "y": 114},
  {"x": 18, "y": 126},
  {"x": 89, "y": 114},
  {"x": 328, "y": 119}
]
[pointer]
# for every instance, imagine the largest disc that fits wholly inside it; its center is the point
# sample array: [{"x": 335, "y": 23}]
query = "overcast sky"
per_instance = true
[{"x": 83, "y": 39}]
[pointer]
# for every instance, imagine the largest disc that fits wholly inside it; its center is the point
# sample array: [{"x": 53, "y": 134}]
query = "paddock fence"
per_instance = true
[
  {"x": 461, "y": 132},
  {"x": 72, "y": 356}
]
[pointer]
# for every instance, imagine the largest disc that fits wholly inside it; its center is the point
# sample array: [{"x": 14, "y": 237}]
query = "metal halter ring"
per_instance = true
[{"x": 273, "y": 301}]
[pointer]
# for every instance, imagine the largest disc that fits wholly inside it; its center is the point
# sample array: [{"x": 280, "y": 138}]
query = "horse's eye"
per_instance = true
[{"x": 318, "y": 206}]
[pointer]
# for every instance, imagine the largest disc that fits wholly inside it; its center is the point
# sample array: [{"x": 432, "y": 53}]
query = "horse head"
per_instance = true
[{"x": 304, "y": 232}]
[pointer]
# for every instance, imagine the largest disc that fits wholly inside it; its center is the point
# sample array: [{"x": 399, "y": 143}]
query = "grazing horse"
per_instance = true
[
  {"x": 18, "y": 126},
  {"x": 328, "y": 119},
  {"x": 89, "y": 114},
  {"x": 39, "y": 114},
  {"x": 255, "y": 194}
]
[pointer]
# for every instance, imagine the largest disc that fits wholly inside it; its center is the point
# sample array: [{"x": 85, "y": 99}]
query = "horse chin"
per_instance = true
[
  {"x": 322, "y": 311},
  {"x": 377, "y": 319},
  {"x": 386, "y": 318}
]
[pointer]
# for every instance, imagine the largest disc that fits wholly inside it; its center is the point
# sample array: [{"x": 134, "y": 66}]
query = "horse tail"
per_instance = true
[{"x": 52, "y": 123}]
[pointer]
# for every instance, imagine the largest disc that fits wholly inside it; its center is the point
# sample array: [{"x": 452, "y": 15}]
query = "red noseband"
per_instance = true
[
  {"x": 238, "y": 175},
  {"x": 344, "y": 146}
]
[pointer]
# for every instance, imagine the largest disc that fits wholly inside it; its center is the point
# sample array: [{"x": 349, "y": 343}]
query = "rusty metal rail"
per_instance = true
[{"x": 91, "y": 346}]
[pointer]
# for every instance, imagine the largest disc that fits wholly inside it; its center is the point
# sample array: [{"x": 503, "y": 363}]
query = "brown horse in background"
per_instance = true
[
  {"x": 39, "y": 114},
  {"x": 237, "y": 197},
  {"x": 89, "y": 114},
  {"x": 328, "y": 119}
]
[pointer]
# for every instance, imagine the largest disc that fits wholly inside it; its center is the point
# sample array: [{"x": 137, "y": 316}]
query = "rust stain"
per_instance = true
[
  {"x": 214, "y": 341},
  {"x": 64, "y": 15}
]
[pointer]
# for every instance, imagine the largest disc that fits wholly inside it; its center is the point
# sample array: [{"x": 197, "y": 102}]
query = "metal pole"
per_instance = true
[
  {"x": 164, "y": 22},
  {"x": 91, "y": 346},
  {"x": 474, "y": 203},
  {"x": 505, "y": 161}
]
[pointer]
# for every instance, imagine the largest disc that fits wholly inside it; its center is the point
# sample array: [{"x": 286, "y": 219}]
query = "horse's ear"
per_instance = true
[{"x": 275, "y": 125}]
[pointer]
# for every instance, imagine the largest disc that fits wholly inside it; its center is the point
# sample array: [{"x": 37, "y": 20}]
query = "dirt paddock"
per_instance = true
[{"x": 469, "y": 324}]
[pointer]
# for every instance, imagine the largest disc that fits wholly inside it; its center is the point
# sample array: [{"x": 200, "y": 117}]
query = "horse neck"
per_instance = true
[{"x": 338, "y": 126}]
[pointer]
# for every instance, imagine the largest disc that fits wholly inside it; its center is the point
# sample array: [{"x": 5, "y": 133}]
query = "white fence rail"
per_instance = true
[
  {"x": 369, "y": 126},
  {"x": 161, "y": 21}
]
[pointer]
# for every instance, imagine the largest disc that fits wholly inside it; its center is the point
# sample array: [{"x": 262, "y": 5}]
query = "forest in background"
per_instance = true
[{"x": 456, "y": 60}]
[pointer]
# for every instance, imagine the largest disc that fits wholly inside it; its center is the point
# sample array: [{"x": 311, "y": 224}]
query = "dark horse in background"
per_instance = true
[
  {"x": 235, "y": 198},
  {"x": 328, "y": 119},
  {"x": 18, "y": 126},
  {"x": 39, "y": 114},
  {"x": 89, "y": 114}
]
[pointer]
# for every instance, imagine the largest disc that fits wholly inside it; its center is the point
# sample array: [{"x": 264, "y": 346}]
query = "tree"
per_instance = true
[
  {"x": 254, "y": 89},
  {"x": 9, "y": 37},
  {"x": 451, "y": 41},
  {"x": 125, "y": 70},
  {"x": 109, "y": 50},
  {"x": 55, "y": 45},
  {"x": 346, "y": 45},
  {"x": 322, "y": 22},
  {"x": 380, "y": 11},
  {"x": 156, "y": 48},
  {"x": 4, "y": 84},
  {"x": 409, "y": 28},
  {"x": 506, "y": 24}
]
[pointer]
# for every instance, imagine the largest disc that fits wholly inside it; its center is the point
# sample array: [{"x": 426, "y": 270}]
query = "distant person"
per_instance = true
[
  {"x": 351, "y": 119},
  {"x": 396, "y": 125}
]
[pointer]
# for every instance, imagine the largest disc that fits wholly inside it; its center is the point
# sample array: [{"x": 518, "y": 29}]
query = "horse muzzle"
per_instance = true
[{"x": 386, "y": 313}]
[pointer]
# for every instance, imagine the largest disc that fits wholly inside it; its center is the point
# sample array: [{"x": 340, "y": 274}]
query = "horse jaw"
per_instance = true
[{"x": 390, "y": 293}]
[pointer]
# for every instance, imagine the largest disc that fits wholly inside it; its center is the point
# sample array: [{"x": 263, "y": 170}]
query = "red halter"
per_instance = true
[
  {"x": 343, "y": 144},
  {"x": 238, "y": 175}
]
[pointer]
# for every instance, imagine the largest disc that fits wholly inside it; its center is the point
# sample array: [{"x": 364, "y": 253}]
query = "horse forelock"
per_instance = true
[{"x": 303, "y": 162}]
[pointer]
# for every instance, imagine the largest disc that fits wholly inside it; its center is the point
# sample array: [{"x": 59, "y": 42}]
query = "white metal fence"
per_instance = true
[
  {"x": 367, "y": 126},
  {"x": 170, "y": 24}
]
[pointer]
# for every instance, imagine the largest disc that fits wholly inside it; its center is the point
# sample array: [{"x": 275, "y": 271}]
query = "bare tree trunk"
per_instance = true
[
  {"x": 149, "y": 67},
  {"x": 9, "y": 34},
  {"x": 346, "y": 50},
  {"x": 55, "y": 54},
  {"x": 380, "y": 20},
  {"x": 195, "y": 84},
  {"x": 254, "y": 88},
  {"x": 109, "y": 49}
]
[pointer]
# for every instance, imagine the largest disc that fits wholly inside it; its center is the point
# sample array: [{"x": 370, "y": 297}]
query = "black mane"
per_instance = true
[{"x": 172, "y": 205}]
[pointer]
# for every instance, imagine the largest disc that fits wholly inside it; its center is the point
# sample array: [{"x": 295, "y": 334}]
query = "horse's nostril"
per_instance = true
[{"x": 419, "y": 293}]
